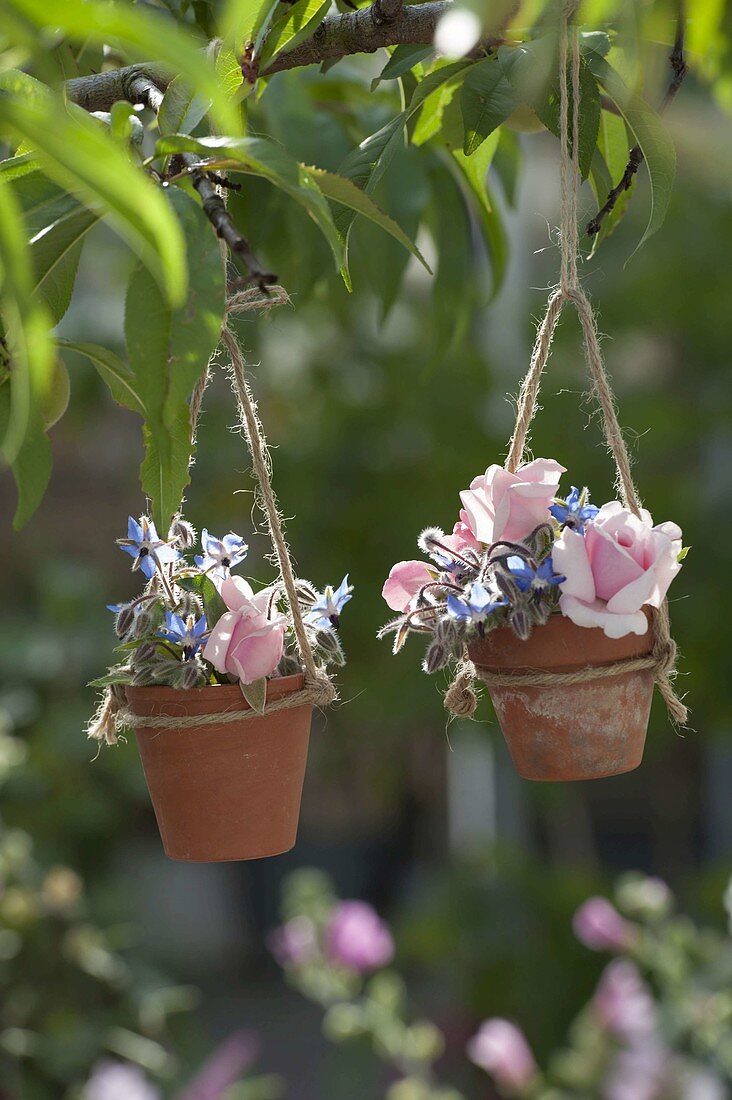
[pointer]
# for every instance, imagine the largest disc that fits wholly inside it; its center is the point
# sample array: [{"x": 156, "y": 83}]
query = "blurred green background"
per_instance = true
[{"x": 376, "y": 424}]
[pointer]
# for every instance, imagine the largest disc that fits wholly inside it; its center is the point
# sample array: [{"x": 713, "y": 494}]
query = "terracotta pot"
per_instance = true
[
  {"x": 229, "y": 791},
  {"x": 586, "y": 730}
]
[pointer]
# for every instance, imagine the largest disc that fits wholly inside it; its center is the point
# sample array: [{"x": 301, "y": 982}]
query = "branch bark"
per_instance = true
[{"x": 384, "y": 23}]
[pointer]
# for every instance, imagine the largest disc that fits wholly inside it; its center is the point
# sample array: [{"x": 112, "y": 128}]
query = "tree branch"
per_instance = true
[
  {"x": 384, "y": 23},
  {"x": 679, "y": 70},
  {"x": 143, "y": 90}
]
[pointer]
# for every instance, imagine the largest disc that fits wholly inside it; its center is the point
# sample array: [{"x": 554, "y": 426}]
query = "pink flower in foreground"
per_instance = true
[
  {"x": 500, "y": 1048},
  {"x": 118, "y": 1081},
  {"x": 623, "y": 1003},
  {"x": 501, "y": 505},
  {"x": 621, "y": 563},
  {"x": 357, "y": 938},
  {"x": 246, "y": 642},
  {"x": 226, "y": 1066},
  {"x": 598, "y": 925},
  {"x": 295, "y": 942},
  {"x": 462, "y": 538},
  {"x": 404, "y": 582}
]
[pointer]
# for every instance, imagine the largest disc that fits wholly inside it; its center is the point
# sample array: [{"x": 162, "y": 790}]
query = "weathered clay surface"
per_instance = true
[
  {"x": 586, "y": 730},
  {"x": 230, "y": 791}
]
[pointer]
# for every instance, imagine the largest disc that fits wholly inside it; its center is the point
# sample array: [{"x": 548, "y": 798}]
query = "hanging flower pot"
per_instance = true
[
  {"x": 218, "y": 680},
  {"x": 567, "y": 725},
  {"x": 558, "y": 606},
  {"x": 223, "y": 789}
]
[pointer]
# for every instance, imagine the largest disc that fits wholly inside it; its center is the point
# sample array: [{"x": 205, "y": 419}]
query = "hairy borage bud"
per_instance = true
[
  {"x": 143, "y": 624},
  {"x": 429, "y": 537},
  {"x": 435, "y": 658},
  {"x": 520, "y": 622},
  {"x": 182, "y": 533},
  {"x": 190, "y": 676},
  {"x": 124, "y": 621},
  {"x": 145, "y": 653}
]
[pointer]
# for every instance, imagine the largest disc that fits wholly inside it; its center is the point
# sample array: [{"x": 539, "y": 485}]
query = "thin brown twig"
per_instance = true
[
  {"x": 147, "y": 92},
  {"x": 679, "y": 70}
]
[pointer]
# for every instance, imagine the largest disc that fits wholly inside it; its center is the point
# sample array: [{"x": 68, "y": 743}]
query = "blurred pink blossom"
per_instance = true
[
  {"x": 500, "y": 1048},
  {"x": 228, "y": 1063},
  {"x": 357, "y": 938},
  {"x": 295, "y": 942},
  {"x": 118, "y": 1081},
  {"x": 623, "y": 1002},
  {"x": 598, "y": 925}
]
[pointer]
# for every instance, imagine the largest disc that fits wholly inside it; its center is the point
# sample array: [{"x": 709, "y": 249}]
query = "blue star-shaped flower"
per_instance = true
[
  {"x": 326, "y": 610},
  {"x": 574, "y": 512},
  {"x": 476, "y": 606},
  {"x": 188, "y": 633},
  {"x": 143, "y": 544},
  {"x": 220, "y": 555},
  {"x": 528, "y": 579}
]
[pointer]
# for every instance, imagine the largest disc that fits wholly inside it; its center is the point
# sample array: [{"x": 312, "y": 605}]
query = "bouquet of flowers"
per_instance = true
[
  {"x": 519, "y": 553},
  {"x": 197, "y": 624}
]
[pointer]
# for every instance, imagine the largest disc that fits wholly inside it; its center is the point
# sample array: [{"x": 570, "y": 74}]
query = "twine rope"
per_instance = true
[
  {"x": 318, "y": 689},
  {"x": 460, "y": 698}
]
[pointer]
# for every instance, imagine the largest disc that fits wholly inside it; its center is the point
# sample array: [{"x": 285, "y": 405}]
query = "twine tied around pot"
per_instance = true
[
  {"x": 460, "y": 698},
  {"x": 318, "y": 690}
]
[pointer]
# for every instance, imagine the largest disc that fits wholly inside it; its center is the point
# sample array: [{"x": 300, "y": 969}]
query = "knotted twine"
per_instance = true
[
  {"x": 317, "y": 689},
  {"x": 460, "y": 698}
]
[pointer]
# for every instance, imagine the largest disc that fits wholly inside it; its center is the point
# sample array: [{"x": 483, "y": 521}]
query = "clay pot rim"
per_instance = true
[
  {"x": 206, "y": 700},
  {"x": 580, "y": 646}
]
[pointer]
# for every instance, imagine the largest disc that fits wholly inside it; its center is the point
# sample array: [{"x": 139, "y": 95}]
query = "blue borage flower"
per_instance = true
[
  {"x": 326, "y": 610},
  {"x": 477, "y": 605},
  {"x": 530, "y": 579},
  {"x": 575, "y": 511},
  {"x": 220, "y": 555},
  {"x": 188, "y": 633},
  {"x": 142, "y": 543}
]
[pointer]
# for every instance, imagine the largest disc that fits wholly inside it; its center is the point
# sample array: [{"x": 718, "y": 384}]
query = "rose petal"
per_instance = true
[
  {"x": 236, "y": 593},
  {"x": 612, "y": 566},
  {"x": 597, "y": 614},
  {"x": 219, "y": 640},
  {"x": 257, "y": 654},
  {"x": 404, "y": 582},
  {"x": 569, "y": 558}
]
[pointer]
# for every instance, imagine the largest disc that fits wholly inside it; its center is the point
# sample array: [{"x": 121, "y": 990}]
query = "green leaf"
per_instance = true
[
  {"x": 168, "y": 351},
  {"x": 547, "y": 110},
  {"x": 181, "y": 111},
  {"x": 240, "y": 20},
  {"x": 213, "y": 605},
  {"x": 255, "y": 694},
  {"x": 263, "y": 157},
  {"x": 228, "y": 73},
  {"x": 608, "y": 166},
  {"x": 117, "y": 375},
  {"x": 475, "y": 173},
  {"x": 487, "y": 99},
  {"x": 344, "y": 191},
  {"x": 403, "y": 60},
  {"x": 15, "y": 167},
  {"x": 42, "y": 201},
  {"x": 32, "y": 462},
  {"x": 26, "y": 344},
  {"x": 651, "y": 135},
  {"x": 77, "y": 153},
  {"x": 295, "y": 24},
  {"x": 55, "y": 253},
  {"x": 142, "y": 33}
]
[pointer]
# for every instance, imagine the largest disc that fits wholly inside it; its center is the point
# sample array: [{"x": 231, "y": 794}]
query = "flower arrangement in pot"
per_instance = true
[
  {"x": 551, "y": 600},
  {"x": 211, "y": 676}
]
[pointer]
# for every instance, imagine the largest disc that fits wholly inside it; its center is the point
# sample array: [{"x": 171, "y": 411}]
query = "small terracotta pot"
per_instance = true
[
  {"x": 227, "y": 791},
  {"x": 586, "y": 730}
]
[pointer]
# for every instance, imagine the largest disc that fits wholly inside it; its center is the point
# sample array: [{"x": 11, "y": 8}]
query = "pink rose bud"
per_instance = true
[
  {"x": 598, "y": 925},
  {"x": 499, "y": 1047},
  {"x": 357, "y": 938}
]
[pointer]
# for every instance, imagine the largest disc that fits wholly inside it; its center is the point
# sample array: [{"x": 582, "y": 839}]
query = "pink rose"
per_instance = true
[
  {"x": 404, "y": 582},
  {"x": 462, "y": 538},
  {"x": 246, "y": 642},
  {"x": 598, "y": 925},
  {"x": 500, "y": 505},
  {"x": 501, "y": 1050},
  {"x": 621, "y": 563},
  {"x": 357, "y": 938}
]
